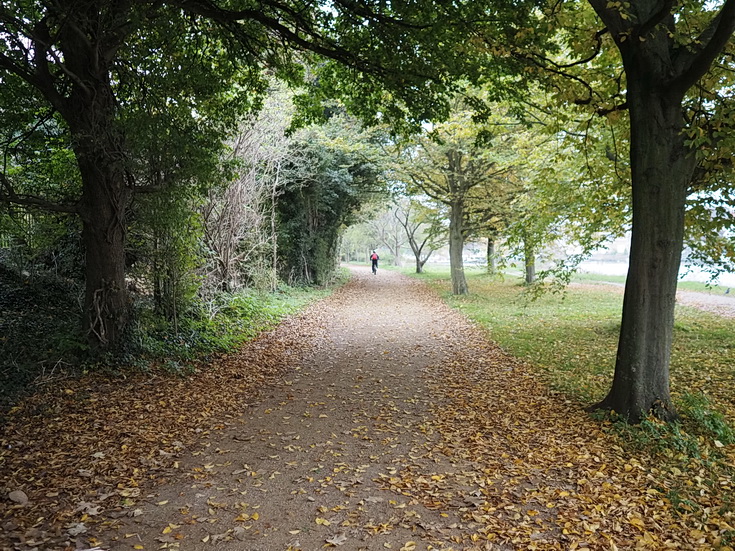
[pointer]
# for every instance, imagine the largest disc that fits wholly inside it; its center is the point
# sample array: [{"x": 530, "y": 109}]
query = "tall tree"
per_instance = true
[
  {"x": 452, "y": 166},
  {"x": 98, "y": 67},
  {"x": 663, "y": 65},
  {"x": 386, "y": 228},
  {"x": 666, "y": 48},
  {"x": 423, "y": 229}
]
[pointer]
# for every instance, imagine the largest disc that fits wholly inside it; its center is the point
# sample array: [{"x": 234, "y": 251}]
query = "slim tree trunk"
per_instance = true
[
  {"x": 490, "y": 255},
  {"x": 456, "y": 247},
  {"x": 530, "y": 264},
  {"x": 274, "y": 236},
  {"x": 661, "y": 171}
]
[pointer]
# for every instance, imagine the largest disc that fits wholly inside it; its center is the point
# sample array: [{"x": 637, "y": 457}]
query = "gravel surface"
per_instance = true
[{"x": 723, "y": 305}]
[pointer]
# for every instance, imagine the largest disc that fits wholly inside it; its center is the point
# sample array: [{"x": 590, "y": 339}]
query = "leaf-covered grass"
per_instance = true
[{"x": 571, "y": 338}]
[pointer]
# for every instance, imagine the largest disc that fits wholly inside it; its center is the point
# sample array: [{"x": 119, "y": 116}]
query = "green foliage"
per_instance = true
[
  {"x": 704, "y": 419},
  {"x": 331, "y": 175},
  {"x": 658, "y": 437},
  {"x": 39, "y": 331},
  {"x": 165, "y": 251},
  {"x": 216, "y": 326}
]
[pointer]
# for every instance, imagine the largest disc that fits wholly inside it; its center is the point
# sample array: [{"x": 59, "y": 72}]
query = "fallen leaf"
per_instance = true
[{"x": 339, "y": 539}]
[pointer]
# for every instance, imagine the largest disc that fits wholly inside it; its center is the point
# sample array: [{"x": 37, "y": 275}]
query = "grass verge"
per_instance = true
[
  {"x": 697, "y": 286},
  {"x": 571, "y": 340}
]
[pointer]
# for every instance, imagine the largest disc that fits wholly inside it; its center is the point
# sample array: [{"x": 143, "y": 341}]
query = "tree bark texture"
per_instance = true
[
  {"x": 456, "y": 247},
  {"x": 529, "y": 262},
  {"x": 661, "y": 167},
  {"x": 90, "y": 111},
  {"x": 661, "y": 171},
  {"x": 490, "y": 255},
  {"x": 102, "y": 209}
]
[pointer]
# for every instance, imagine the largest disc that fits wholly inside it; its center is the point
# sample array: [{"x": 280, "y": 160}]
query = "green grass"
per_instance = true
[
  {"x": 683, "y": 285},
  {"x": 571, "y": 339}
]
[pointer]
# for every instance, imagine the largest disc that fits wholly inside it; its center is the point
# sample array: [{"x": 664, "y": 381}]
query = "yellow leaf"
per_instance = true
[
  {"x": 138, "y": 546},
  {"x": 637, "y": 522},
  {"x": 322, "y": 521},
  {"x": 409, "y": 546},
  {"x": 255, "y": 516},
  {"x": 166, "y": 530}
]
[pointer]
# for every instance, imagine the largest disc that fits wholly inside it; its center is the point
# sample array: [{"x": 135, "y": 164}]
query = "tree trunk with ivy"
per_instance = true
[{"x": 102, "y": 208}]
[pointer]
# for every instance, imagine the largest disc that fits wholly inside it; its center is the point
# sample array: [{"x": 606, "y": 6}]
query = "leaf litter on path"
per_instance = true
[{"x": 378, "y": 419}]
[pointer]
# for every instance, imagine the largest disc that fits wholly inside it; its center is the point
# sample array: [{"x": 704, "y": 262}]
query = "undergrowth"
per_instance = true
[{"x": 41, "y": 341}]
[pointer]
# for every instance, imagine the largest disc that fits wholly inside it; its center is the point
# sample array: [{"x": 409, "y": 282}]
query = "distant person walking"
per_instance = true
[{"x": 374, "y": 261}]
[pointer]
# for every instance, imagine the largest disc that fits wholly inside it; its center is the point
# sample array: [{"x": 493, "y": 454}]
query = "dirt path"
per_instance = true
[
  {"x": 722, "y": 305},
  {"x": 399, "y": 426}
]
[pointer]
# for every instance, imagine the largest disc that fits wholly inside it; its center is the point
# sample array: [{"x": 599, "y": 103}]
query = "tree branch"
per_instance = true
[
  {"x": 10, "y": 196},
  {"x": 364, "y": 11},
  {"x": 646, "y": 27},
  {"x": 714, "y": 38}
]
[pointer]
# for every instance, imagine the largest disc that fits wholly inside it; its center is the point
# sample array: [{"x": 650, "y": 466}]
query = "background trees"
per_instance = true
[
  {"x": 118, "y": 78},
  {"x": 332, "y": 172},
  {"x": 451, "y": 165},
  {"x": 424, "y": 229}
]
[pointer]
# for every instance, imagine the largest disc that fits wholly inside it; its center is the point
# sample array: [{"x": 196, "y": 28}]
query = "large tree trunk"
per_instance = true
[
  {"x": 102, "y": 209},
  {"x": 90, "y": 112},
  {"x": 661, "y": 170},
  {"x": 456, "y": 247}
]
